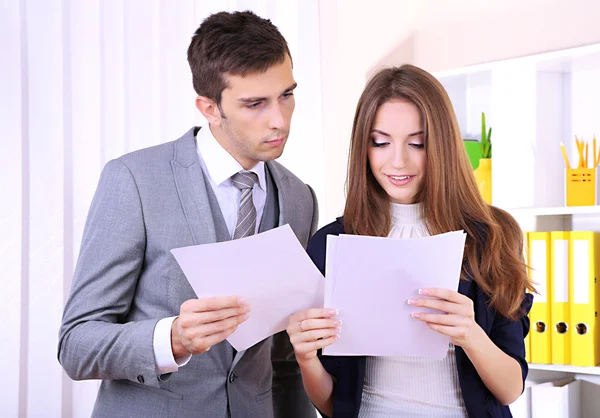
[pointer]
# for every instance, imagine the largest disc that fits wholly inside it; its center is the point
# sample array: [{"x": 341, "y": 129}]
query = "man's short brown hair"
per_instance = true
[{"x": 238, "y": 43}]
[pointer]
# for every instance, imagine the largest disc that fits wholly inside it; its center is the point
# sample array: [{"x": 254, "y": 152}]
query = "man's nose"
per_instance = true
[{"x": 277, "y": 119}]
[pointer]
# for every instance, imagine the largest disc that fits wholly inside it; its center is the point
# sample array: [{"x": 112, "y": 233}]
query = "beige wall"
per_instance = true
[{"x": 358, "y": 36}]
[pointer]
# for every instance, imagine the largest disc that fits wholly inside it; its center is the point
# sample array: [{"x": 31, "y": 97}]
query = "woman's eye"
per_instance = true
[{"x": 378, "y": 144}]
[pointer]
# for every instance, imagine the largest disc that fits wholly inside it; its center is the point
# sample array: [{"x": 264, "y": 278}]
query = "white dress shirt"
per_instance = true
[{"x": 218, "y": 165}]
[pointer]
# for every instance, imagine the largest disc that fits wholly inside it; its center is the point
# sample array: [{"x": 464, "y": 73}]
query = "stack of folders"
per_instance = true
[{"x": 564, "y": 268}]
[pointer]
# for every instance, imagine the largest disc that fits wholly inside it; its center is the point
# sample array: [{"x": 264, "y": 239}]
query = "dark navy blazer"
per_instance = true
[{"x": 349, "y": 371}]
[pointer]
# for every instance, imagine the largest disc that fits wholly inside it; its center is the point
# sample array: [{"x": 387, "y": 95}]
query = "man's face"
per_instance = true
[{"x": 256, "y": 113}]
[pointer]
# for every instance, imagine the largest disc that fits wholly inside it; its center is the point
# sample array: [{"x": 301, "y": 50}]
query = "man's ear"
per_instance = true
[{"x": 209, "y": 110}]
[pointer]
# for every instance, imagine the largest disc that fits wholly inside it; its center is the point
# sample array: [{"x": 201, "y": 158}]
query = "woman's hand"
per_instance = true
[
  {"x": 500, "y": 372},
  {"x": 459, "y": 320},
  {"x": 312, "y": 330}
]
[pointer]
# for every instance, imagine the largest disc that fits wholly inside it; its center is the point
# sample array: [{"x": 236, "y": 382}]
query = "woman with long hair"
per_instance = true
[{"x": 409, "y": 176}]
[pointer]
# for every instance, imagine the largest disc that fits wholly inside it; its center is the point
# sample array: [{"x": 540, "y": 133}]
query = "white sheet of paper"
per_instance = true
[
  {"x": 370, "y": 279},
  {"x": 270, "y": 270}
]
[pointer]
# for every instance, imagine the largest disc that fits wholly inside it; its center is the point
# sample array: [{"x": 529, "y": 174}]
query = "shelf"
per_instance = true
[
  {"x": 594, "y": 371},
  {"x": 555, "y": 211},
  {"x": 565, "y": 60}
]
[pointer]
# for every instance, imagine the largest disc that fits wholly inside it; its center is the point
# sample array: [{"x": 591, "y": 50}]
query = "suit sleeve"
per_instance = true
[{"x": 95, "y": 339}]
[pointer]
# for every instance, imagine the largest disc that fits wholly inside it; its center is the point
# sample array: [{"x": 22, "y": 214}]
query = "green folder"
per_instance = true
[{"x": 473, "y": 148}]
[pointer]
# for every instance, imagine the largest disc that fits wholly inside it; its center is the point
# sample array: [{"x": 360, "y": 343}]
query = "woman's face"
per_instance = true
[{"x": 396, "y": 150}]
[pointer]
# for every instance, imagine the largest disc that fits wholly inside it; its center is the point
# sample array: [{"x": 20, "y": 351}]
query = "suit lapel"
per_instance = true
[
  {"x": 236, "y": 359},
  {"x": 286, "y": 206},
  {"x": 191, "y": 188}
]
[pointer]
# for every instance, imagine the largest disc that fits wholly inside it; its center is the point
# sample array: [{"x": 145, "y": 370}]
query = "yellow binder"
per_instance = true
[
  {"x": 528, "y": 337},
  {"x": 585, "y": 298},
  {"x": 559, "y": 279},
  {"x": 539, "y": 262}
]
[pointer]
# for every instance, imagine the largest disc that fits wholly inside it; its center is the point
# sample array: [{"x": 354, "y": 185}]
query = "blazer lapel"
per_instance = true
[
  {"x": 464, "y": 287},
  {"x": 189, "y": 180}
]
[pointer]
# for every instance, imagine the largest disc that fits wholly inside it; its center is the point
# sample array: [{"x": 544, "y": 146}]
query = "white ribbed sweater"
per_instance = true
[{"x": 411, "y": 386}]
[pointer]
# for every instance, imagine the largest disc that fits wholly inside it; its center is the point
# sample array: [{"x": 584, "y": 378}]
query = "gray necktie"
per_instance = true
[{"x": 246, "y": 221}]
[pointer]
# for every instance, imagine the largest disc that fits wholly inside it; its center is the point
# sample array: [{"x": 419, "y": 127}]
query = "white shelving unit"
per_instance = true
[
  {"x": 559, "y": 218},
  {"x": 588, "y": 371},
  {"x": 555, "y": 211},
  {"x": 533, "y": 104}
]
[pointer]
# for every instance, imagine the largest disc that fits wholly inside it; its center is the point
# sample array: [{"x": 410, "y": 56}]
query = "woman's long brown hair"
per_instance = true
[{"x": 449, "y": 196}]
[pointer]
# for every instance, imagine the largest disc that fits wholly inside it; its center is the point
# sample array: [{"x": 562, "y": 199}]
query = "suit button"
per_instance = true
[
  {"x": 232, "y": 377},
  {"x": 140, "y": 379}
]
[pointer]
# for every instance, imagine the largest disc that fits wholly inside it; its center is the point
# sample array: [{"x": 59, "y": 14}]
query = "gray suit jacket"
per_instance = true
[{"x": 147, "y": 203}]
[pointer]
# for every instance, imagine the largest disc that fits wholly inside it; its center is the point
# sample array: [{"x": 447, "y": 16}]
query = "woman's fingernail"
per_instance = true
[
  {"x": 241, "y": 301},
  {"x": 416, "y": 315},
  {"x": 333, "y": 312},
  {"x": 337, "y": 323},
  {"x": 410, "y": 301},
  {"x": 247, "y": 308},
  {"x": 338, "y": 330},
  {"x": 423, "y": 291}
]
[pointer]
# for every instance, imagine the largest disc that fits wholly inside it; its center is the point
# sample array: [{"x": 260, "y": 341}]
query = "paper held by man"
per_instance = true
[
  {"x": 369, "y": 281},
  {"x": 271, "y": 271}
]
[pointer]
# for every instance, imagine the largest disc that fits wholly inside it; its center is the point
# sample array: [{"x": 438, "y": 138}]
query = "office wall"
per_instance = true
[{"x": 82, "y": 82}]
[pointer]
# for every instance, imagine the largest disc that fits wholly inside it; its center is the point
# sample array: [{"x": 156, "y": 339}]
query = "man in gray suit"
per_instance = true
[{"x": 132, "y": 318}]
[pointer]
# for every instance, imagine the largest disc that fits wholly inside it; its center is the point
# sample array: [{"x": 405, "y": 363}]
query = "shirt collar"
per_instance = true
[{"x": 220, "y": 165}]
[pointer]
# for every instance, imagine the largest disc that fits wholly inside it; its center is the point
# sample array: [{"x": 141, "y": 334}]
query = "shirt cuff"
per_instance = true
[{"x": 163, "y": 353}]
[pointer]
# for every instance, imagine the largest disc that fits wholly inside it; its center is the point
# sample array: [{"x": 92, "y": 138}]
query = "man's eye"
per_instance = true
[
  {"x": 288, "y": 94},
  {"x": 254, "y": 105}
]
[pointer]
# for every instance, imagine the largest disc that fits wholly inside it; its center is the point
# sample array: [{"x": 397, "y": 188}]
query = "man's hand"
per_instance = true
[{"x": 203, "y": 323}]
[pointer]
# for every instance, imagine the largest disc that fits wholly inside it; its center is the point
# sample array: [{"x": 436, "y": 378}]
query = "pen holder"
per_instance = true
[{"x": 581, "y": 186}]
